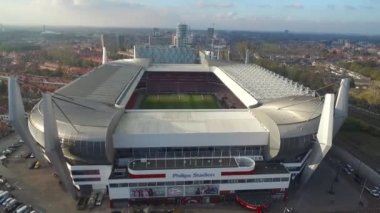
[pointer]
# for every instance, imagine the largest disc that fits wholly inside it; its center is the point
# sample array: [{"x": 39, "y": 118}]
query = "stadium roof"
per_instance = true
[
  {"x": 294, "y": 109},
  {"x": 104, "y": 84},
  {"x": 188, "y": 121},
  {"x": 178, "y": 68},
  {"x": 263, "y": 84},
  {"x": 155, "y": 128}
]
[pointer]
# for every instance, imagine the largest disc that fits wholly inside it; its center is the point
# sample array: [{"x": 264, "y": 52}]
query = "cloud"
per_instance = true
[
  {"x": 226, "y": 16},
  {"x": 349, "y": 7},
  {"x": 219, "y": 5},
  {"x": 87, "y": 3},
  {"x": 331, "y": 6},
  {"x": 297, "y": 6},
  {"x": 264, "y": 6},
  {"x": 366, "y": 7}
]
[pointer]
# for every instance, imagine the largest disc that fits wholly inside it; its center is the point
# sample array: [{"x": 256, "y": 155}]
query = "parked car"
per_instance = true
[
  {"x": 6, "y": 201},
  {"x": 3, "y": 198},
  {"x": 4, "y": 194},
  {"x": 12, "y": 148},
  {"x": 9, "y": 186},
  {"x": 11, "y": 206},
  {"x": 349, "y": 167},
  {"x": 11, "y": 202},
  {"x": 26, "y": 154},
  {"x": 37, "y": 165},
  {"x": 21, "y": 208},
  {"x": 82, "y": 203},
  {"x": 99, "y": 199},
  {"x": 15, "y": 145},
  {"x": 91, "y": 200},
  {"x": 32, "y": 164},
  {"x": 377, "y": 188},
  {"x": 347, "y": 171},
  {"x": 6, "y": 152}
]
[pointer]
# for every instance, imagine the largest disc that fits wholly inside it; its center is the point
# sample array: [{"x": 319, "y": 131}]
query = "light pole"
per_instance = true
[{"x": 361, "y": 192}]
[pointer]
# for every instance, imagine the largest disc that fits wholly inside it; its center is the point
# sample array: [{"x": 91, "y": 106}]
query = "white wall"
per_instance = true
[
  {"x": 104, "y": 173},
  {"x": 253, "y": 186},
  {"x": 124, "y": 193},
  {"x": 191, "y": 140},
  {"x": 243, "y": 95}
]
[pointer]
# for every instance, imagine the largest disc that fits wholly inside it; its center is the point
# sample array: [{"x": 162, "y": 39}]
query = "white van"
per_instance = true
[
  {"x": 3, "y": 193},
  {"x": 7, "y": 201},
  {"x": 21, "y": 209},
  {"x": 10, "y": 203}
]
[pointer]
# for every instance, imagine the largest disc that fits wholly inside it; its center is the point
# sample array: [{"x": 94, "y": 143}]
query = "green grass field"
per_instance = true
[{"x": 179, "y": 101}]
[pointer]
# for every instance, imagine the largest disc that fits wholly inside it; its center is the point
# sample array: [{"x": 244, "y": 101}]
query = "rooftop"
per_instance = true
[
  {"x": 103, "y": 84},
  {"x": 188, "y": 121},
  {"x": 263, "y": 84},
  {"x": 294, "y": 109},
  {"x": 178, "y": 68},
  {"x": 270, "y": 168}
]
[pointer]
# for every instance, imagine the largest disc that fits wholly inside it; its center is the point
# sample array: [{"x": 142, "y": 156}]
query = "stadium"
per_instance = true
[{"x": 150, "y": 132}]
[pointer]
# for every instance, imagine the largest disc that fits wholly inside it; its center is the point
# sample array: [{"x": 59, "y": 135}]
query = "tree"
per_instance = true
[{"x": 3, "y": 88}]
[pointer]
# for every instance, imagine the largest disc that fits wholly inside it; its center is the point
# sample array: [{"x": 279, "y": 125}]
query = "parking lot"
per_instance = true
[{"x": 37, "y": 187}]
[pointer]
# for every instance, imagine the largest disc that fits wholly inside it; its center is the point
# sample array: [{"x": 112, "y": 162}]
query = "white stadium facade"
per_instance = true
[{"x": 268, "y": 131}]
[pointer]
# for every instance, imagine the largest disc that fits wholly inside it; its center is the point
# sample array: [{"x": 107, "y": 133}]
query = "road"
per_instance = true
[{"x": 368, "y": 117}]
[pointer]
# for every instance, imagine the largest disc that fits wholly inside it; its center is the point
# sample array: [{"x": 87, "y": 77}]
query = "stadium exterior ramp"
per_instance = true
[
  {"x": 18, "y": 119},
  {"x": 341, "y": 106},
  {"x": 53, "y": 147},
  {"x": 324, "y": 139}
]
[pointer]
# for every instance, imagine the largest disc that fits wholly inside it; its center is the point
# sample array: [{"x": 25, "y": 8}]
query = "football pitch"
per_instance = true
[{"x": 179, "y": 101}]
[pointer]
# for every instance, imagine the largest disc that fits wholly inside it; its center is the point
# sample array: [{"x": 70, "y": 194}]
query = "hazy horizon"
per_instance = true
[{"x": 301, "y": 16}]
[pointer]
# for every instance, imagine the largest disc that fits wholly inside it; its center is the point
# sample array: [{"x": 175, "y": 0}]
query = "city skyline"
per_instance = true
[{"x": 357, "y": 17}]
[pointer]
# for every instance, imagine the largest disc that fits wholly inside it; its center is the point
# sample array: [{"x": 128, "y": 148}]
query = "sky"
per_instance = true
[{"x": 321, "y": 16}]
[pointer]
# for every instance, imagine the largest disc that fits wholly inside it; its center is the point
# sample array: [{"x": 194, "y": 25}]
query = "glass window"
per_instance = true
[
  {"x": 132, "y": 184},
  {"x": 241, "y": 181},
  {"x": 160, "y": 183},
  {"x": 114, "y": 185},
  {"x": 251, "y": 180},
  {"x": 86, "y": 179},
  {"x": 123, "y": 185},
  {"x": 188, "y": 182},
  {"x": 285, "y": 179},
  {"x": 85, "y": 172},
  {"x": 169, "y": 183},
  {"x": 142, "y": 184},
  {"x": 268, "y": 180},
  {"x": 215, "y": 181},
  {"x": 152, "y": 184},
  {"x": 225, "y": 181}
]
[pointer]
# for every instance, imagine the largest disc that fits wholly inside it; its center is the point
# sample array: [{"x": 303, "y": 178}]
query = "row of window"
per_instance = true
[
  {"x": 199, "y": 182},
  {"x": 166, "y": 152},
  {"x": 294, "y": 169},
  {"x": 86, "y": 179},
  {"x": 85, "y": 172}
]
